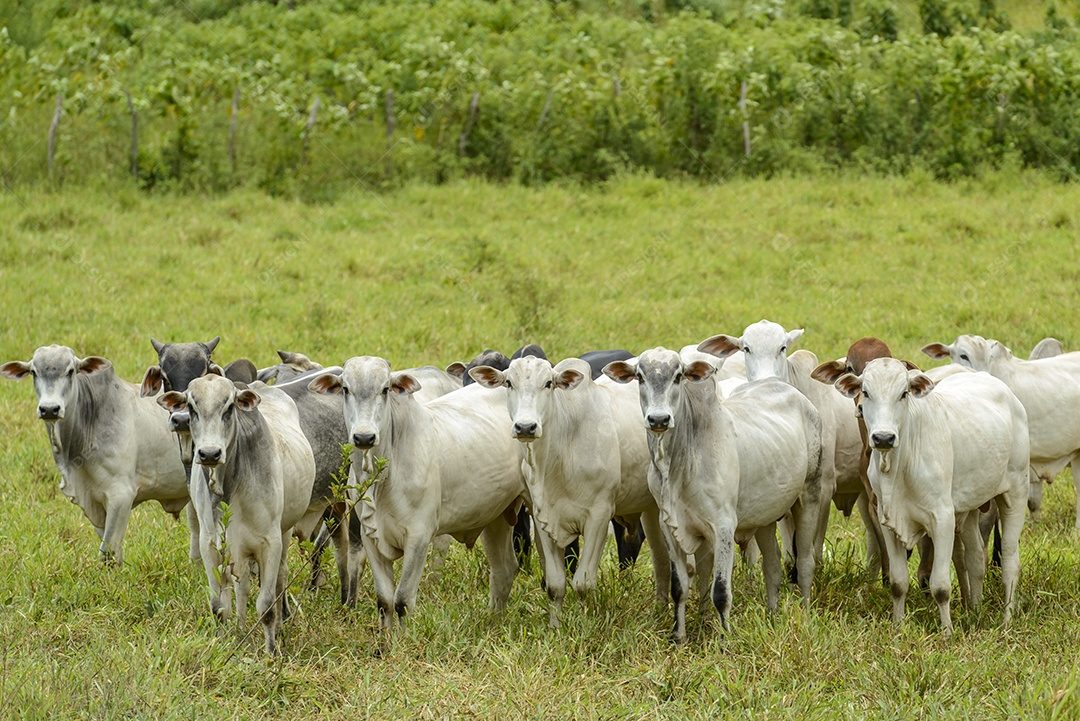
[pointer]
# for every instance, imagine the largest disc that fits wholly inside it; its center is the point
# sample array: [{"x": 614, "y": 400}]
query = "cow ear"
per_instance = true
[
  {"x": 93, "y": 364},
  {"x": 158, "y": 346},
  {"x": 152, "y": 382},
  {"x": 620, "y": 371},
  {"x": 698, "y": 371},
  {"x": 919, "y": 383},
  {"x": 15, "y": 370},
  {"x": 829, "y": 372},
  {"x": 569, "y": 379},
  {"x": 403, "y": 383},
  {"x": 325, "y": 383},
  {"x": 267, "y": 374},
  {"x": 911, "y": 366},
  {"x": 215, "y": 370},
  {"x": 210, "y": 346},
  {"x": 793, "y": 336},
  {"x": 173, "y": 401},
  {"x": 488, "y": 377},
  {"x": 247, "y": 400},
  {"x": 456, "y": 369},
  {"x": 849, "y": 385},
  {"x": 937, "y": 351},
  {"x": 721, "y": 345}
]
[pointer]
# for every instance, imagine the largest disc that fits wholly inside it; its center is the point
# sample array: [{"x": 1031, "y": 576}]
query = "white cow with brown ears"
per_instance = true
[{"x": 940, "y": 452}]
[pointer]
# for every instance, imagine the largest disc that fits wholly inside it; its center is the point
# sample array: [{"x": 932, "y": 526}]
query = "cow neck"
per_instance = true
[
  {"x": 92, "y": 400},
  {"x": 697, "y": 401},
  {"x": 251, "y": 442},
  {"x": 403, "y": 418}
]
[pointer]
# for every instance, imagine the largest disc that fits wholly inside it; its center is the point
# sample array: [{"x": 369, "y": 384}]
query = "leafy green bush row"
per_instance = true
[{"x": 562, "y": 92}]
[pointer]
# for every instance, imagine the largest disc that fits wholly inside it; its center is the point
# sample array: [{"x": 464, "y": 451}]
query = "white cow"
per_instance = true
[
  {"x": 452, "y": 469},
  {"x": 764, "y": 347},
  {"x": 113, "y": 448},
  {"x": 724, "y": 471},
  {"x": 574, "y": 469},
  {"x": 940, "y": 452},
  {"x": 1049, "y": 388},
  {"x": 252, "y": 457}
]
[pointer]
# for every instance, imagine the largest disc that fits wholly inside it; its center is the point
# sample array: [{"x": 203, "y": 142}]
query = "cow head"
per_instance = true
[
  {"x": 211, "y": 402},
  {"x": 369, "y": 387},
  {"x": 764, "y": 345},
  {"x": 491, "y": 358},
  {"x": 178, "y": 365},
  {"x": 54, "y": 369},
  {"x": 883, "y": 392},
  {"x": 292, "y": 365},
  {"x": 971, "y": 351},
  {"x": 530, "y": 383},
  {"x": 661, "y": 375}
]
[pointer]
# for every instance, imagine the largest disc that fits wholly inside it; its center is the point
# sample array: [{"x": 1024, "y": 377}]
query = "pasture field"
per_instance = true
[{"x": 430, "y": 274}]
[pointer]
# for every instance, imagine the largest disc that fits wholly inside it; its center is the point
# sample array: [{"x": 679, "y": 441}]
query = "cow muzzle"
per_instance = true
[
  {"x": 180, "y": 422},
  {"x": 50, "y": 411},
  {"x": 527, "y": 431},
  {"x": 365, "y": 441},
  {"x": 658, "y": 422},
  {"x": 209, "y": 456},
  {"x": 883, "y": 441}
]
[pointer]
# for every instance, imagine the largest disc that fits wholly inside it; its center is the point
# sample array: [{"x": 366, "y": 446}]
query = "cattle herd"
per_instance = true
[{"x": 718, "y": 445}]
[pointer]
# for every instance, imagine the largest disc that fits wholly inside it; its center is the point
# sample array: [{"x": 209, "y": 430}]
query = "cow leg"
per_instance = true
[
  {"x": 193, "y": 532},
  {"x": 806, "y": 518},
  {"x": 723, "y": 562},
  {"x": 594, "y": 535},
  {"x": 117, "y": 513},
  {"x": 658, "y": 550},
  {"x": 320, "y": 537},
  {"x": 926, "y": 561},
  {"x": 339, "y": 534},
  {"x": 1011, "y": 515},
  {"x": 243, "y": 588},
  {"x": 943, "y": 534},
  {"x": 788, "y": 544},
  {"x": 554, "y": 575},
  {"x": 680, "y": 585},
  {"x": 273, "y": 574},
  {"x": 382, "y": 572},
  {"x": 412, "y": 572},
  {"x": 959, "y": 561},
  {"x": 974, "y": 558},
  {"x": 498, "y": 540},
  {"x": 770, "y": 564},
  {"x": 357, "y": 557},
  {"x": 899, "y": 576},
  {"x": 876, "y": 558},
  {"x": 522, "y": 539}
]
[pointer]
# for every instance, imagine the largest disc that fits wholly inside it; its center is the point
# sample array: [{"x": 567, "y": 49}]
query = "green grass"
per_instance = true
[{"x": 429, "y": 274}]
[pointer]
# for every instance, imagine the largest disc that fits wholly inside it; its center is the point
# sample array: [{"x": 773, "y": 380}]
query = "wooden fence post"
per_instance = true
[
  {"x": 134, "y": 136},
  {"x": 53, "y": 128},
  {"x": 745, "y": 122},
  {"x": 474, "y": 108},
  {"x": 232, "y": 130},
  {"x": 308, "y": 128}
]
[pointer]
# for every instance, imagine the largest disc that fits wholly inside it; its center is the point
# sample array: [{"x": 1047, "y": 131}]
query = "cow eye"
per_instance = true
[
  {"x": 903, "y": 395},
  {"x": 191, "y": 410},
  {"x": 508, "y": 385},
  {"x": 344, "y": 390},
  {"x": 783, "y": 349},
  {"x": 547, "y": 385},
  {"x": 746, "y": 350},
  {"x": 678, "y": 377},
  {"x": 386, "y": 391},
  {"x": 227, "y": 414},
  {"x": 638, "y": 378},
  {"x": 865, "y": 395},
  {"x": 71, "y": 372},
  {"x": 963, "y": 356}
]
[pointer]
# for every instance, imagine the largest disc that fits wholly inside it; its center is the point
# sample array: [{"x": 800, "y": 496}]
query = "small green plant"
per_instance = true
[{"x": 223, "y": 519}]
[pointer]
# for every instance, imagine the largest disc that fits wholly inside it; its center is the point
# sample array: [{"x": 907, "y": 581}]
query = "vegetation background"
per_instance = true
[{"x": 909, "y": 176}]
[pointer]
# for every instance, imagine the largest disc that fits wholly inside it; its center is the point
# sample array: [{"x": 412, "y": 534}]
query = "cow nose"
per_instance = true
[
  {"x": 209, "y": 456},
  {"x": 48, "y": 411},
  {"x": 363, "y": 440},
  {"x": 525, "y": 430},
  {"x": 180, "y": 422},
  {"x": 659, "y": 421},
  {"x": 883, "y": 441}
]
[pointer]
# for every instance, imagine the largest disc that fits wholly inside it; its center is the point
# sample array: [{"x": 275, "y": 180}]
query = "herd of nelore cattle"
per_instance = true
[{"x": 694, "y": 450}]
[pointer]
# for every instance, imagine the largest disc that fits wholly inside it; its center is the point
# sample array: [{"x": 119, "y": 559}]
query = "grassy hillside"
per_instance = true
[{"x": 433, "y": 275}]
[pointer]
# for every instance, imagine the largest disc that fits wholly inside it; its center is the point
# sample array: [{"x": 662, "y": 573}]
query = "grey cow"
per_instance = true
[{"x": 113, "y": 448}]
